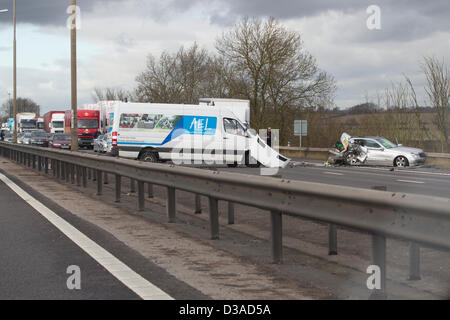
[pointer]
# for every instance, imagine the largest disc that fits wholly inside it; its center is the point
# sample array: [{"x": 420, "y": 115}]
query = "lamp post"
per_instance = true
[
  {"x": 73, "y": 55},
  {"x": 14, "y": 76}
]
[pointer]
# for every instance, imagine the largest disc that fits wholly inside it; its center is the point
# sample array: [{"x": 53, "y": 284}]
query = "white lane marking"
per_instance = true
[
  {"x": 335, "y": 173},
  {"x": 409, "y": 171},
  {"x": 117, "y": 268},
  {"x": 411, "y": 181}
]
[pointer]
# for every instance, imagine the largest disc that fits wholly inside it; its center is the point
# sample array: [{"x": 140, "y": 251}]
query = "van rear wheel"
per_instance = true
[{"x": 149, "y": 156}]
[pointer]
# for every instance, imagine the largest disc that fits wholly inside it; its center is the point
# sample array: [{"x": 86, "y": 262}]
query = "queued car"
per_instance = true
[
  {"x": 8, "y": 136},
  {"x": 25, "y": 138},
  {"x": 38, "y": 138},
  {"x": 60, "y": 141},
  {"x": 101, "y": 143},
  {"x": 383, "y": 152}
]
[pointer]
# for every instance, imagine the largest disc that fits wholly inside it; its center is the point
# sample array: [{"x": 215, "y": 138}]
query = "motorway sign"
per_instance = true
[{"x": 300, "y": 128}]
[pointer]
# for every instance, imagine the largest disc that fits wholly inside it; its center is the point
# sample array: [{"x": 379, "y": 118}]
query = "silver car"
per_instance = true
[
  {"x": 383, "y": 152},
  {"x": 100, "y": 144}
]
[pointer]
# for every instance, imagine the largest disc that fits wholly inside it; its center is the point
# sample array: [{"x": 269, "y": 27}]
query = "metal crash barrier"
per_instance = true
[{"x": 421, "y": 220}]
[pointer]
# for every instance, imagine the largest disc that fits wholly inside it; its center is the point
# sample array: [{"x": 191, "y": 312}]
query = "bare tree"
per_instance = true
[
  {"x": 23, "y": 105},
  {"x": 277, "y": 72},
  {"x": 109, "y": 94},
  {"x": 438, "y": 91}
]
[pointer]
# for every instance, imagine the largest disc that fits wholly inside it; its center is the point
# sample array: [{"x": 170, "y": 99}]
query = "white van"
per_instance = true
[{"x": 186, "y": 134}]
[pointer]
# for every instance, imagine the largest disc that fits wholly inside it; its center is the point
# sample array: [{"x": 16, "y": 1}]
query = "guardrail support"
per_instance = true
[
  {"x": 46, "y": 164},
  {"x": 214, "y": 217},
  {"x": 132, "y": 186},
  {"x": 89, "y": 173},
  {"x": 171, "y": 204},
  {"x": 141, "y": 198},
  {"x": 230, "y": 212},
  {"x": 198, "y": 204},
  {"x": 72, "y": 173},
  {"x": 414, "y": 261},
  {"x": 78, "y": 176},
  {"x": 150, "y": 190},
  {"x": 118, "y": 187},
  {"x": 84, "y": 172},
  {"x": 39, "y": 163},
  {"x": 276, "y": 219},
  {"x": 379, "y": 259},
  {"x": 99, "y": 182},
  {"x": 332, "y": 240}
]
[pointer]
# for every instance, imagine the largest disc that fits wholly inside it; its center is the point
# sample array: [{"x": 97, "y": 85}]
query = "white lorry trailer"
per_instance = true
[
  {"x": 186, "y": 134},
  {"x": 26, "y": 121}
]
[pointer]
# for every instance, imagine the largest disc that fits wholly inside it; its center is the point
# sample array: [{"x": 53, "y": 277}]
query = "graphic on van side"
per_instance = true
[{"x": 175, "y": 126}]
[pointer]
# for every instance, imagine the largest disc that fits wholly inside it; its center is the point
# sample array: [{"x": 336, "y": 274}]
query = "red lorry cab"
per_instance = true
[{"x": 88, "y": 126}]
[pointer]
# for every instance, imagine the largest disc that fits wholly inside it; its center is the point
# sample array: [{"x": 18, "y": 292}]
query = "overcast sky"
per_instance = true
[{"x": 117, "y": 35}]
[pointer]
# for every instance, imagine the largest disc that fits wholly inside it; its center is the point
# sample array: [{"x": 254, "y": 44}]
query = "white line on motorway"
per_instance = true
[
  {"x": 335, "y": 173},
  {"x": 411, "y": 181},
  {"x": 117, "y": 268}
]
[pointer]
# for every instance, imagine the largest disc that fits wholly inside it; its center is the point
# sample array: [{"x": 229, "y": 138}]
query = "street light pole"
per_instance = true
[
  {"x": 73, "y": 47},
  {"x": 14, "y": 76}
]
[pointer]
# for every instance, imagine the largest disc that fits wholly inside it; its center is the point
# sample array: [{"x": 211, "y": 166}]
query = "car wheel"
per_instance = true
[
  {"x": 149, "y": 156},
  {"x": 350, "y": 159},
  {"x": 401, "y": 162}
]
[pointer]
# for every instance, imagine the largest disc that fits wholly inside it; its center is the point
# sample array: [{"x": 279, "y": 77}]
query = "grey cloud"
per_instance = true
[{"x": 45, "y": 12}]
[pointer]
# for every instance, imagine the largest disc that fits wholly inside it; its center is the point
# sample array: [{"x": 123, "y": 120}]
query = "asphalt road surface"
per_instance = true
[
  {"x": 425, "y": 181},
  {"x": 415, "y": 180},
  {"x": 40, "y": 244}
]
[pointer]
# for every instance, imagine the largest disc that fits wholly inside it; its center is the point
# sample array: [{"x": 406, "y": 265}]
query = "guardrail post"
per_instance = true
[
  {"x": 230, "y": 212},
  {"x": 46, "y": 163},
  {"x": 198, "y": 204},
  {"x": 84, "y": 171},
  {"x": 39, "y": 163},
  {"x": 106, "y": 178},
  {"x": 58, "y": 169},
  {"x": 141, "y": 198},
  {"x": 63, "y": 170},
  {"x": 118, "y": 187},
  {"x": 332, "y": 240},
  {"x": 28, "y": 160},
  {"x": 150, "y": 190},
  {"x": 171, "y": 204},
  {"x": 414, "y": 261},
  {"x": 72, "y": 173},
  {"x": 276, "y": 218},
  {"x": 78, "y": 170},
  {"x": 99, "y": 182},
  {"x": 379, "y": 260},
  {"x": 33, "y": 161},
  {"x": 214, "y": 217},
  {"x": 89, "y": 173},
  {"x": 132, "y": 185}
]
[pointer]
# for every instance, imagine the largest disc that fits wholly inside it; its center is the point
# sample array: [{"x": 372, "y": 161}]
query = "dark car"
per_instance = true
[
  {"x": 61, "y": 141},
  {"x": 39, "y": 138}
]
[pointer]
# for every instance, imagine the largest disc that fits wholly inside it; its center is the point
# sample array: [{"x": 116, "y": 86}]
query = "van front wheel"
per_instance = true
[{"x": 149, "y": 156}]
